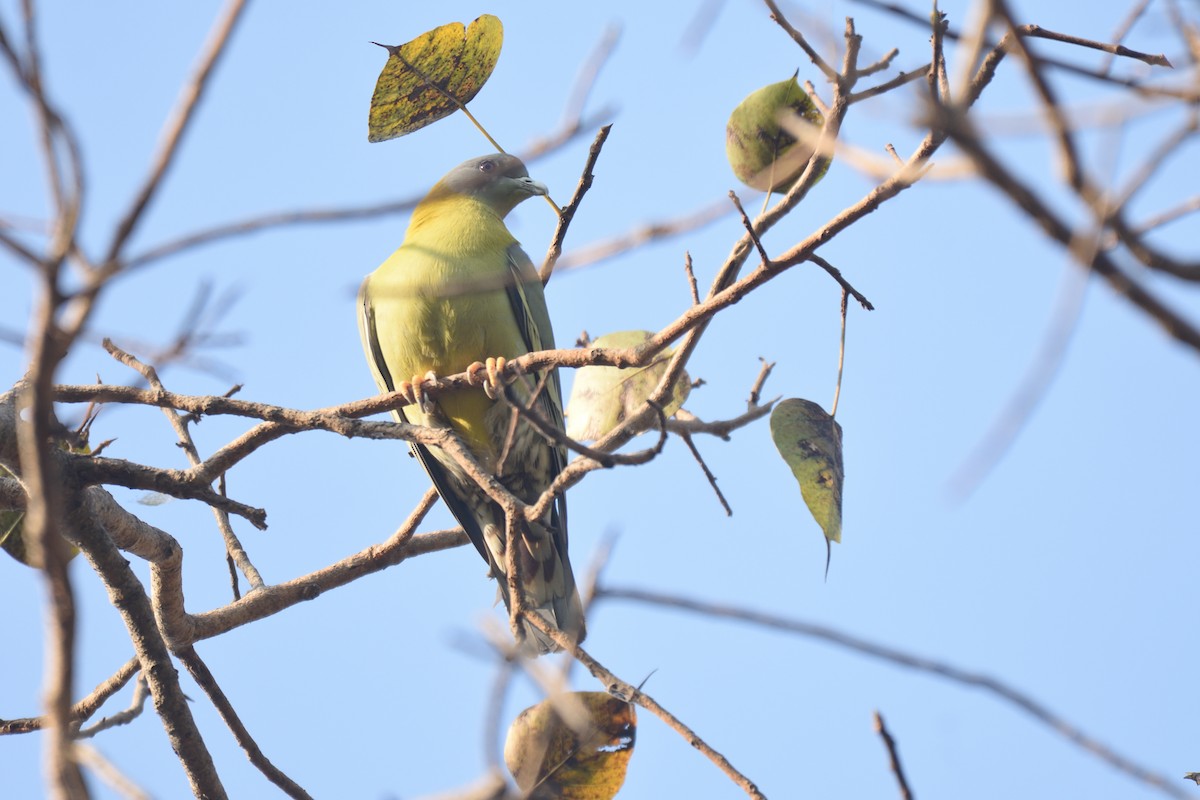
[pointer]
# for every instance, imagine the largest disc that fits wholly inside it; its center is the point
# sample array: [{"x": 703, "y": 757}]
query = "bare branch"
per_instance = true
[
  {"x": 177, "y": 124},
  {"x": 749, "y": 226},
  {"x": 82, "y": 710},
  {"x": 902, "y": 79},
  {"x": 1056, "y": 228},
  {"x": 1124, "y": 28},
  {"x": 130, "y": 599},
  {"x": 836, "y": 274},
  {"x": 645, "y": 233},
  {"x": 95, "y": 761},
  {"x": 402, "y": 544},
  {"x": 797, "y": 37},
  {"x": 136, "y": 704},
  {"x": 893, "y": 756},
  {"x": 204, "y": 677},
  {"x": 568, "y": 212},
  {"x": 901, "y": 658},
  {"x": 1038, "y": 32},
  {"x": 691, "y": 278},
  {"x": 685, "y": 423},
  {"x": 1032, "y": 387},
  {"x": 712, "y": 479},
  {"x": 631, "y": 694},
  {"x": 233, "y": 546}
]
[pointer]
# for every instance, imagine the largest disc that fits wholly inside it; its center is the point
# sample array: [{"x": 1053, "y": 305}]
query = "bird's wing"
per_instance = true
[
  {"x": 528, "y": 303},
  {"x": 370, "y": 340}
]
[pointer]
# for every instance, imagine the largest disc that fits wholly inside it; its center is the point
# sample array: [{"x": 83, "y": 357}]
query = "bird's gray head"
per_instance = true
[{"x": 499, "y": 180}]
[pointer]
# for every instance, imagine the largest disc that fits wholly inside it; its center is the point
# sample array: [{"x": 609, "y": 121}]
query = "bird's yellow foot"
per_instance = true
[{"x": 491, "y": 382}]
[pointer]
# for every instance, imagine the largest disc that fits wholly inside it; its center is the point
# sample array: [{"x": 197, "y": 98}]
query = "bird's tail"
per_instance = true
[
  {"x": 549, "y": 589},
  {"x": 564, "y": 613}
]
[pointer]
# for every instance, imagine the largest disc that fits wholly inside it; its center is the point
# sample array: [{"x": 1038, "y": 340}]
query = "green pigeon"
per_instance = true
[{"x": 460, "y": 292}]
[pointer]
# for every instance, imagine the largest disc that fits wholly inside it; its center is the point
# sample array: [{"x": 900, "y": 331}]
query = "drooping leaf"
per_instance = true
[
  {"x": 423, "y": 78},
  {"x": 810, "y": 441},
  {"x": 762, "y": 152},
  {"x": 602, "y": 397},
  {"x": 583, "y": 759}
]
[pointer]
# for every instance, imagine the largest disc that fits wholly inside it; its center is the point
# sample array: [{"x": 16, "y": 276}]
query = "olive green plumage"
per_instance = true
[{"x": 459, "y": 290}]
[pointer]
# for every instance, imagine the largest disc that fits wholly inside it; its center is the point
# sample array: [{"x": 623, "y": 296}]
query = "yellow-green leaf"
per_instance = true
[
  {"x": 602, "y": 397},
  {"x": 428, "y": 78},
  {"x": 583, "y": 760},
  {"x": 810, "y": 441},
  {"x": 762, "y": 152}
]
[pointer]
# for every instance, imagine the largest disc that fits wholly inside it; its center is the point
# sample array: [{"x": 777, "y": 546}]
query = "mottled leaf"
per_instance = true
[
  {"x": 810, "y": 441},
  {"x": 761, "y": 151},
  {"x": 424, "y": 78},
  {"x": 602, "y": 397},
  {"x": 584, "y": 759}
]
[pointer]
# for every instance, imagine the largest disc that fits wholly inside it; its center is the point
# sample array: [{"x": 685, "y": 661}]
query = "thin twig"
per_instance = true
[
  {"x": 177, "y": 124},
  {"x": 233, "y": 545},
  {"x": 204, "y": 678},
  {"x": 686, "y": 423},
  {"x": 1123, "y": 29},
  {"x": 95, "y": 761},
  {"x": 631, "y": 694},
  {"x": 1038, "y": 32},
  {"x": 136, "y": 704},
  {"x": 82, "y": 710},
  {"x": 901, "y": 658},
  {"x": 401, "y": 545},
  {"x": 837, "y": 389},
  {"x": 645, "y": 233},
  {"x": 764, "y": 372},
  {"x": 836, "y": 274},
  {"x": 1029, "y": 391},
  {"x": 895, "y": 83},
  {"x": 893, "y": 756},
  {"x": 1051, "y": 223},
  {"x": 1189, "y": 206},
  {"x": 568, "y": 212},
  {"x": 777, "y": 16},
  {"x": 749, "y": 226},
  {"x": 1187, "y": 93},
  {"x": 690, "y": 274},
  {"x": 712, "y": 479},
  {"x": 514, "y": 543}
]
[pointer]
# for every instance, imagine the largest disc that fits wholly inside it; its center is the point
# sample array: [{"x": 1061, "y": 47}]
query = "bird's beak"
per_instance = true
[{"x": 533, "y": 187}]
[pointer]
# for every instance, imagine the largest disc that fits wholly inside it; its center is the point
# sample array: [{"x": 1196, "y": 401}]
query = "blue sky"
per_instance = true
[{"x": 1069, "y": 573}]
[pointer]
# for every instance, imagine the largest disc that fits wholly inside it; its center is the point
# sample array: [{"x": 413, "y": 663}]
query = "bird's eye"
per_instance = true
[{"x": 487, "y": 166}]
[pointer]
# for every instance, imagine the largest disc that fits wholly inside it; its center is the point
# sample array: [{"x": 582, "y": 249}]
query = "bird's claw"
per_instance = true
[
  {"x": 414, "y": 392},
  {"x": 492, "y": 381}
]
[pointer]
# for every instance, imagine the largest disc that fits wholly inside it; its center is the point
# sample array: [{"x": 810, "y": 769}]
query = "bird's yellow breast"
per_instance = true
[{"x": 440, "y": 304}]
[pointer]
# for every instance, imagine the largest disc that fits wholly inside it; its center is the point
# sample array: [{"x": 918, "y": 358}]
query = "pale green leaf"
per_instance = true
[
  {"x": 810, "y": 441},
  {"x": 602, "y": 397},
  {"x": 761, "y": 151}
]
